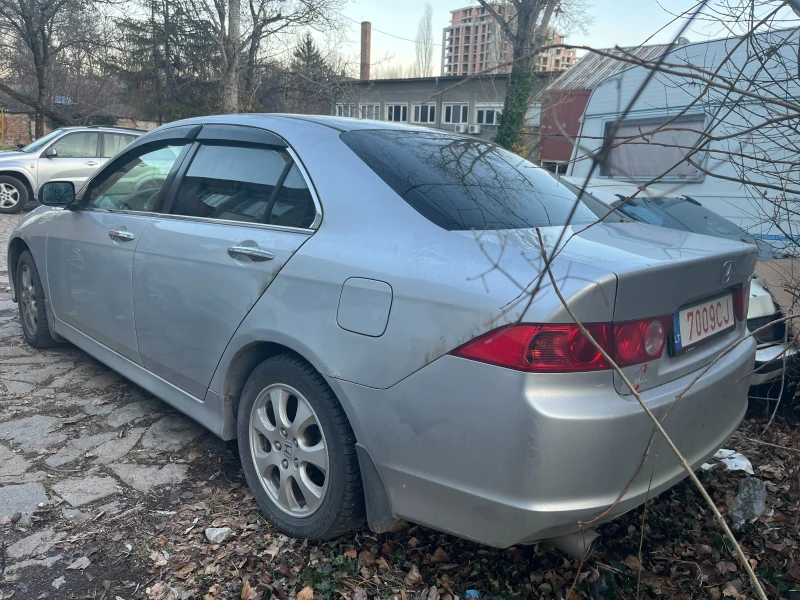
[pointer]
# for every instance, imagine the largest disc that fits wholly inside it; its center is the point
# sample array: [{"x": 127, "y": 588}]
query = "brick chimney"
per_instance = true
[{"x": 366, "y": 42}]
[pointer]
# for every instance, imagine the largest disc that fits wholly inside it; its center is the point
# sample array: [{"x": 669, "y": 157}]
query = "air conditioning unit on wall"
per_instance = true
[
  {"x": 461, "y": 128},
  {"x": 474, "y": 128}
]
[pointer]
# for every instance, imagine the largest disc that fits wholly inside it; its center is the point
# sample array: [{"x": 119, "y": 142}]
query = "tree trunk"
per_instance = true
[
  {"x": 516, "y": 103},
  {"x": 530, "y": 36},
  {"x": 41, "y": 100},
  {"x": 230, "y": 78}
]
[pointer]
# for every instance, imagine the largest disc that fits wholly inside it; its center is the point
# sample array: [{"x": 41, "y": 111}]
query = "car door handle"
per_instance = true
[
  {"x": 91, "y": 163},
  {"x": 119, "y": 235},
  {"x": 257, "y": 254}
]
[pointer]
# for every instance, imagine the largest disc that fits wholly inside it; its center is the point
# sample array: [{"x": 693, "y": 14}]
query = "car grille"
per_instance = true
[{"x": 773, "y": 333}]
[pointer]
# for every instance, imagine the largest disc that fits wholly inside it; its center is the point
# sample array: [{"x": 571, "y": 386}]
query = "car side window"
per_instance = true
[
  {"x": 232, "y": 183},
  {"x": 294, "y": 205},
  {"x": 135, "y": 185},
  {"x": 77, "y": 145},
  {"x": 114, "y": 142}
]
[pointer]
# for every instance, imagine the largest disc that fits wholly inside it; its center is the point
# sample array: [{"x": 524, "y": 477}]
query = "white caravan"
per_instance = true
[{"x": 752, "y": 140}]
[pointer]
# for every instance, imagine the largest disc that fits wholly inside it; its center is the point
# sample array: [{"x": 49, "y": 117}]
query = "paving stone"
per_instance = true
[
  {"x": 24, "y": 499},
  {"x": 77, "y": 447},
  {"x": 14, "y": 351},
  {"x": 96, "y": 406},
  {"x": 35, "y": 544},
  {"x": 115, "y": 449},
  {"x": 171, "y": 434},
  {"x": 44, "y": 562},
  {"x": 85, "y": 489},
  {"x": 144, "y": 477},
  {"x": 33, "y": 433},
  {"x": 101, "y": 382},
  {"x": 71, "y": 376},
  {"x": 111, "y": 508},
  {"x": 42, "y": 374},
  {"x": 73, "y": 514},
  {"x": 12, "y": 329},
  {"x": 15, "y": 387},
  {"x": 129, "y": 412},
  {"x": 12, "y": 464}
]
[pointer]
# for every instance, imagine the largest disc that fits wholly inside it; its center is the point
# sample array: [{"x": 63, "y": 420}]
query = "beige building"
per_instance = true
[{"x": 474, "y": 42}]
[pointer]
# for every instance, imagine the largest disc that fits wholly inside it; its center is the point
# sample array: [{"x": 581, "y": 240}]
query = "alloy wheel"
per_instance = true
[
  {"x": 27, "y": 293},
  {"x": 9, "y": 195},
  {"x": 289, "y": 451}
]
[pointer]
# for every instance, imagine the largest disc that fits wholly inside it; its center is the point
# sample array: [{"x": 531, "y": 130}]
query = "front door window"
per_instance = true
[
  {"x": 77, "y": 145},
  {"x": 135, "y": 185}
]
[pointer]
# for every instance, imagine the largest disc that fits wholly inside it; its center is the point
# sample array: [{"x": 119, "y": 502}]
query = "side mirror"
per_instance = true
[
  {"x": 56, "y": 193},
  {"x": 20, "y": 146},
  {"x": 51, "y": 153}
]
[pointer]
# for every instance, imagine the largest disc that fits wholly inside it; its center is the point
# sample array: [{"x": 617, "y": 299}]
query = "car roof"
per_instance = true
[
  {"x": 266, "y": 120},
  {"x": 104, "y": 128}
]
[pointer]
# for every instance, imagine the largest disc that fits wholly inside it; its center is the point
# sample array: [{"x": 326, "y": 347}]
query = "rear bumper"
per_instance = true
[
  {"x": 503, "y": 457},
  {"x": 770, "y": 362}
]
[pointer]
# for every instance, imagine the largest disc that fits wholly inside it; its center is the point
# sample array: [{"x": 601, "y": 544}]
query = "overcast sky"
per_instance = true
[{"x": 616, "y": 22}]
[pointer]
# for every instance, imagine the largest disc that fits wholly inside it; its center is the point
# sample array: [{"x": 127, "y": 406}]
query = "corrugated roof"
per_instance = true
[{"x": 593, "y": 68}]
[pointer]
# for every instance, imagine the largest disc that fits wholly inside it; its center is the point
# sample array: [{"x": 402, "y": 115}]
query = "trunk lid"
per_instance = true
[{"x": 658, "y": 272}]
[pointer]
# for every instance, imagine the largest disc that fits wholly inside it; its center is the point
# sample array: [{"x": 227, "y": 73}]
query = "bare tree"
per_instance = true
[
  {"x": 423, "y": 63},
  {"x": 46, "y": 28},
  {"x": 525, "y": 24}
]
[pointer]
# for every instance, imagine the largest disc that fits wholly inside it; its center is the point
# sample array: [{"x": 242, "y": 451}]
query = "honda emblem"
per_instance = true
[{"x": 726, "y": 272}]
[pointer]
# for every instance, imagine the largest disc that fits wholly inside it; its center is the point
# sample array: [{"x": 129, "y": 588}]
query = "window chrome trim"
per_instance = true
[
  {"x": 140, "y": 213},
  {"x": 311, "y": 188}
]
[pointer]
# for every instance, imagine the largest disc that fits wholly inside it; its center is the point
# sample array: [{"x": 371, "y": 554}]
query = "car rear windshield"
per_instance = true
[{"x": 460, "y": 183}]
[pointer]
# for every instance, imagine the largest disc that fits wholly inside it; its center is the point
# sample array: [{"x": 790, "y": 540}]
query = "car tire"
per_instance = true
[
  {"x": 286, "y": 402},
  {"x": 13, "y": 195},
  {"x": 30, "y": 301}
]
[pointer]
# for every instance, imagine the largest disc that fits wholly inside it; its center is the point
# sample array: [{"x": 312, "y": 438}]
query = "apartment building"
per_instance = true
[{"x": 474, "y": 41}]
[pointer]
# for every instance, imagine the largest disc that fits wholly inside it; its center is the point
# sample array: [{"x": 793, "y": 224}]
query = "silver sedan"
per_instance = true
[{"x": 351, "y": 300}]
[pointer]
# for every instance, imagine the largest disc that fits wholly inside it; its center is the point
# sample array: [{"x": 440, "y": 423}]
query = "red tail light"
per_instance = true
[
  {"x": 640, "y": 341},
  {"x": 564, "y": 348},
  {"x": 741, "y": 301}
]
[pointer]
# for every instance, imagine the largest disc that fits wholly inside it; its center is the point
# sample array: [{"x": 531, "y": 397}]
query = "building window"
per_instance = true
[
  {"x": 456, "y": 113},
  {"x": 559, "y": 168},
  {"x": 488, "y": 114},
  {"x": 370, "y": 111},
  {"x": 397, "y": 113},
  {"x": 424, "y": 113},
  {"x": 345, "y": 110}
]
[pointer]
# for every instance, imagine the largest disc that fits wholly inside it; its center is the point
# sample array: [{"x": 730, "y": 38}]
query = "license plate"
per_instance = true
[{"x": 704, "y": 320}]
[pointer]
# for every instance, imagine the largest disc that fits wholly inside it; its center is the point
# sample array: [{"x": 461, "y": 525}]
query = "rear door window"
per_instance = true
[
  {"x": 114, "y": 142},
  {"x": 461, "y": 183},
  {"x": 245, "y": 183}
]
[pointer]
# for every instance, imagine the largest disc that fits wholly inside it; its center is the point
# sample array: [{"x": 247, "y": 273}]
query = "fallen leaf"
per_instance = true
[
  {"x": 246, "y": 590},
  {"x": 366, "y": 558},
  {"x": 440, "y": 556},
  {"x": 433, "y": 594},
  {"x": 307, "y": 593},
  {"x": 633, "y": 563},
  {"x": 412, "y": 578},
  {"x": 81, "y": 563},
  {"x": 725, "y": 566},
  {"x": 351, "y": 553},
  {"x": 382, "y": 564}
]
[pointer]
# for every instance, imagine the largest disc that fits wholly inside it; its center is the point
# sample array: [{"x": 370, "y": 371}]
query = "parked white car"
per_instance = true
[
  {"x": 659, "y": 206},
  {"x": 68, "y": 154}
]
